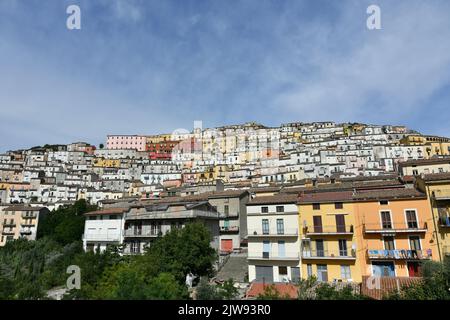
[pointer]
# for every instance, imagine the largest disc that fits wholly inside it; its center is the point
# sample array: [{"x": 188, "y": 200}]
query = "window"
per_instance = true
[
  {"x": 345, "y": 272},
  {"x": 317, "y": 221},
  {"x": 343, "y": 248},
  {"x": 386, "y": 222},
  {"x": 316, "y": 206},
  {"x": 280, "y": 208},
  {"x": 414, "y": 243},
  {"x": 389, "y": 243},
  {"x": 226, "y": 209},
  {"x": 322, "y": 272},
  {"x": 340, "y": 223},
  {"x": 411, "y": 219},
  {"x": 320, "y": 248},
  {"x": 264, "y": 209},
  {"x": 338, "y": 205},
  {"x": 265, "y": 226},
  {"x": 309, "y": 270},
  {"x": 280, "y": 226},
  {"x": 282, "y": 271},
  {"x": 384, "y": 202}
]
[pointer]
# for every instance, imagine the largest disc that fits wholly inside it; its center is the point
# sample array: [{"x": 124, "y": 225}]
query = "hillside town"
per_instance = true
[{"x": 341, "y": 202}]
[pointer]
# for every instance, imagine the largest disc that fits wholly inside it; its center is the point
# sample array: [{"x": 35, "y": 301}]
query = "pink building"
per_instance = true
[{"x": 126, "y": 142}]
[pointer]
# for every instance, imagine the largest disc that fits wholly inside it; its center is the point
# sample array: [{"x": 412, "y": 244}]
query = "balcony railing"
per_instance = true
[
  {"x": 329, "y": 230},
  {"x": 29, "y": 215},
  {"x": 348, "y": 254},
  {"x": 287, "y": 256},
  {"x": 442, "y": 194},
  {"x": 229, "y": 228},
  {"x": 410, "y": 227},
  {"x": 8, "y": 232},
  {"x": 101, "y": 237},
  {"x": 272, "y": 232},
  {"x": 25, "y": 231},
  {"x": 9, "y": 224},
  {"x": 142, "y": 233},
  {"x": 399, "y": 254}
]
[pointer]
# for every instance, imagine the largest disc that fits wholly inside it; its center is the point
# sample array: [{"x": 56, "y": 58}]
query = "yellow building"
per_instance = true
[
  {"x": 106, "y": 163},
  {"x": 437, "y": 188},
  {"x": 433, "y": 145},
  {"x": 19, "y": 221},
  {"x": 328, "y": 236}
]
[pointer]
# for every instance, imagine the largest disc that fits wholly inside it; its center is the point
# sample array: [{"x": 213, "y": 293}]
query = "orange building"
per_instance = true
[{"x": 396, "y": 232}]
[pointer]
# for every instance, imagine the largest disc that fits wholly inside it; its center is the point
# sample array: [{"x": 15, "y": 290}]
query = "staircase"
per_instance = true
[{"x": 236, "y": 267}]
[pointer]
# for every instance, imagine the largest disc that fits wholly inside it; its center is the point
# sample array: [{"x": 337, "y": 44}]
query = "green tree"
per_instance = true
[
  {"x": 271, "y": 293},
  {"x": 207, "y": 291},
  {"x": 227, "y": 290}
]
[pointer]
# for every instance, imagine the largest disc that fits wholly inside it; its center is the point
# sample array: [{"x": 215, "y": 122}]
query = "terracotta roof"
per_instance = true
[
  {"x": 424, "y": 161},
  {"x": 257, "y": 288},
  {"x": 386, "y": 285},
  {"x": 436, "y": 176},
  {"x": 23, "y": 208},
  {"x": 406, "y": 193},
  {"x": 227, "y": 194},
  {"x": 107, "y": 211},
  {"x": 321, "y": 197},
  {"x": 278, "y": 198}
]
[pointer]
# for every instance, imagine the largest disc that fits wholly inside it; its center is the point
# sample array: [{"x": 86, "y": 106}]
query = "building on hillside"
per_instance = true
[
  {"x": 135, "y": 142},
  {"x": 20, "y": 221},
  {"x": 437, "y": 188},
  {"x": 425, "y": 166},
  {"x": 103, "y": 228},
  {"x": 273, "y": 244}
]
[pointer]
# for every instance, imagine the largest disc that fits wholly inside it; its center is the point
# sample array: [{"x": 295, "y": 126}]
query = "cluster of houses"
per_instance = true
[{"x": 338, "y": 201}]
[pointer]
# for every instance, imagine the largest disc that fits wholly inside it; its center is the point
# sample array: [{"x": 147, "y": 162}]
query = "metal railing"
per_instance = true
[
  {"x": 273, "y": 232},
  {"x": 142, "y": 233},
  {"x": 344, "y": 254},
  {"x": 399, "y": 254},
  {"x": 395, "y": 227},
  {"x": 229, "y": 228},
  {"x": 444, "y": 221},
  {"x": 290, "y": 255},
  {"x": 329, "y": 229}
]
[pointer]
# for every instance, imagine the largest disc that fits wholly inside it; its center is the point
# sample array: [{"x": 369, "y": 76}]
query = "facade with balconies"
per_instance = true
[
  {"x": 20, "y": 221},
  {"x": 145, "y": 223},
  {"x": 273, "y": 242},
  {"x": 328, "y": 236},
  {"x": 437, "y": 188}
]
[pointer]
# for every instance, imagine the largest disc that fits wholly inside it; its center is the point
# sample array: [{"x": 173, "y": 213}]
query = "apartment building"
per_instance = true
[
  {"x": 328, "y": 236},
  {"x": 425, "y": 166},
  {"x": 145, "y": 223},
  {"x": 395, "y": 232},
  {"x": 273, "y": 243},
  {"x": 103, "y": 228},
  {"x": 437, "y": 188},
  {"x": 20, "y": 221},
  {"x": 135, "y": 142}
]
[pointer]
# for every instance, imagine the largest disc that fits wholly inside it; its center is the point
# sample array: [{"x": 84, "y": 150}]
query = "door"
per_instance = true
[
  {"x": 343, "y": 248},
  {"x": 317, "y": 220},
  {"x": 264, "y": 274},
  {"x": 320, "y": 248},
  {"x": 386, "y": 222},
  {"x": 227, "y": 245},
  {"x": 322, "y": 272},
  {"x": 414, "y": 269},
  {"x": 266, "y": 249},
  {"x": 411, "y": 219},
  {"x": 281, "y": 249},
  {"x": 340, "y": 223}
]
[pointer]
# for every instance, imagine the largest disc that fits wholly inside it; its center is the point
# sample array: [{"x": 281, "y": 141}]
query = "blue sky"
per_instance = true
[{"x": 150, "y": 66}]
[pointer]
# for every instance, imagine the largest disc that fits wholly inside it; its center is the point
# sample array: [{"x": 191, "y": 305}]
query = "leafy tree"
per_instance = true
[
  {"x": 227, "y": 290},
  {"x": 165, "y": 287},
  {"x": 271, "y": 293},
  {"x": 206, "y": 291}
]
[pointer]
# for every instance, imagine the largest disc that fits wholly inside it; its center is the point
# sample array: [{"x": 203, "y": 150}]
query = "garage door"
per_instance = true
[
  {"x": 227, "y": 245},
  {"x": 264, "y": 273}
]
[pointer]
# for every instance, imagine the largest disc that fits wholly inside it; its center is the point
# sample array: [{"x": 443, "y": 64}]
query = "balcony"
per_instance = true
[
  {"x": 269, "y": 256},
  {"x": 142, "y": 233},
  {"x": 444, "y": 221},
  {"x": 9, "y": 224},
  {"x": 328, "y": 230},
  {"x": 229, "y": 229},
  {"x": 329, "y": 255},
  {"x": 393, "y": 228},
  {"x": 399, "y": 254},
  {"x": 29, "y": 215},
  {"x": 8, "y": 232},
  {"x": 25, "y": 231},
  {"x": 260, "y": 233},
  {"x": 446, "y": 250},
  {"x": 101, "y": 237},
  {"x": 442, "y": 194}
]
